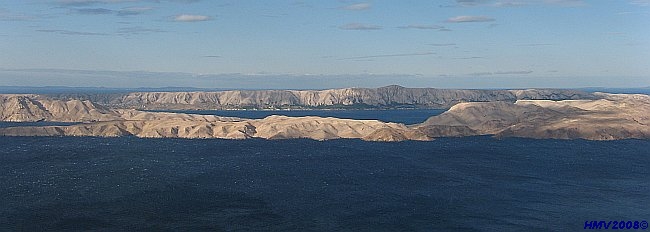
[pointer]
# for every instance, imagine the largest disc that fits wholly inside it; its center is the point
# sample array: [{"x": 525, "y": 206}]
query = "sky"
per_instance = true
[{"x": 295, "y": 44}]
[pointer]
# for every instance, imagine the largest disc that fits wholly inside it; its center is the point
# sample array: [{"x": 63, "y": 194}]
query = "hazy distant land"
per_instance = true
[{"x": 533, "y": 113}]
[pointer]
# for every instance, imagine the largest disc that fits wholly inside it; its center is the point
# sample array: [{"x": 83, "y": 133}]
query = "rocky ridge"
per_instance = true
[
  {"x": 615, "y": 116},
  {"x": 99, "y": 121},
  {"x": 384, "y": 97},
  {"x": 602, "y": 117}
]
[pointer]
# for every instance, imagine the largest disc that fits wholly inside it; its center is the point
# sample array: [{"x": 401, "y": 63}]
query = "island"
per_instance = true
[{"x": 532, "y": 113}]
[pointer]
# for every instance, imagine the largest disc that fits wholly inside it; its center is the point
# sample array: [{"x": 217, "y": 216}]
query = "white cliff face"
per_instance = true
[{"x": 379, "y": 97}]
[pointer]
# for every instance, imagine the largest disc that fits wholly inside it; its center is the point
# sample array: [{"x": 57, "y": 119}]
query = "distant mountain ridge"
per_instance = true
[
  {"x": 93, "y": 90},
  {"x": 96, "y": 120},
  {"x": 639, "y": 90},
  {"x": 608, "y": 117},
  {"x": 384, "y": 97}
]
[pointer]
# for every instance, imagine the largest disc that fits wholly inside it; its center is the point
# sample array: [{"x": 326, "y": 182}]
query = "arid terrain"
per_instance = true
[
  {"x": 558, "y": 114},
  {"x": 384, "y": 97}
]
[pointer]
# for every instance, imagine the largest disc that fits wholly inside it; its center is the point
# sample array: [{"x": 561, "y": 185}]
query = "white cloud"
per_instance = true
[
  {"x": 422, "y": 27},
  {"x": 358, "y": 6},
  {"x": 565, "y": 2},
  {"x": 470, "y": 2},
  {"x": 469, "y": 19},
  {"x": 191, "y": 18},
  {"x": 510, "y": 3},
  {"x": 359, "y": 26}
]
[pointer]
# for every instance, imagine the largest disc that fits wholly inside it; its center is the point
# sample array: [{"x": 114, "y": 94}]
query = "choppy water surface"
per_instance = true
[
  {"x": 112, "y": 184},
  {"x": 21, "y": 124}
]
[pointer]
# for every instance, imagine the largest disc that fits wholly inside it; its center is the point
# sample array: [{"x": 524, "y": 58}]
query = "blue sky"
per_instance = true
[{"x": 325, "y": 44}]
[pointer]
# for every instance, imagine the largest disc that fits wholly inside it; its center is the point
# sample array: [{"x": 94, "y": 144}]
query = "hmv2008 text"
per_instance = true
[{"x": 616, "y": 225}]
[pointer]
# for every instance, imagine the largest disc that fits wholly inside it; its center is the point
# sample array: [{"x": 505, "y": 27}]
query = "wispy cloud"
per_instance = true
[
  {"x": 186, "y": 1},
  {"x": 535, "y": 44},
  {"x": 271, "y": 15},
  {"x": 358, "y": 6},
  {"x": 137, "y": 31},
  {"x": 191, "y": 18},
  {"x": 640, "y": 2},
  {"x": 614, "y": 33},
  {"x": 470, "y": 2},
  {"x": 442, "y": 44},
  {"x": 510, "y": 3},
  {"x": 128, "y": 11},
  {"x": 212, "y": 56},
  {"x": 8, "y": 16},
  {"x": 124, "y": 31},
  {"x": 93, "y": 11},
  {"x": 303, "y": 4},
  {"x": 570, "y": 3},
  {"x": 360, "y": 27},
  {"x": 469, "y": 19},
  {"x": 67, "y": 32},
  {"x": 494, "y": 3},
  {"x": 388, "y": 55},
  {"x": 133, "y": 11},
  {"x": 421, "y": 27},
  {"x": 89, "y": 2},
  {"x": 204, "y": 82},
  {"x": 73, "y": 3},
  {"x": 519, "y": 3},
  {"x": 523, "y": 72},
  {"x": 513, "y": 72},
  {"x": 469, "y": 58}
]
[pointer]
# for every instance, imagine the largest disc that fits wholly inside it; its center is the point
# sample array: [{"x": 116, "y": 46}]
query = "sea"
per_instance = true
[
  {"x": 475, "y": 183},
  {"x": 405, "y": 116}
]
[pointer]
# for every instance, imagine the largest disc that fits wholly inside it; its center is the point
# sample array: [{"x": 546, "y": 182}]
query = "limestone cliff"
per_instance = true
[
  {"x": 29, "y": 108},
  {"x": 607, "y": 117},
  {"x": 273, "y": 127},
  {"x": 616, "y": 116},
  {"x": 389, "y": 96},
  {"x": 100, "y": 121}
]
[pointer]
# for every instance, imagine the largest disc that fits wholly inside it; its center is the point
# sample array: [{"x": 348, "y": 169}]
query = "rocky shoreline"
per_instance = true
[{"x": 599, "y": 116}]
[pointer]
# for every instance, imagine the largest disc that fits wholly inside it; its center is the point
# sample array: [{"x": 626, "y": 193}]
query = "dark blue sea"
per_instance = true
[
  {"x": 408, "y": 117},
  {"x": 467, "y": 184}
]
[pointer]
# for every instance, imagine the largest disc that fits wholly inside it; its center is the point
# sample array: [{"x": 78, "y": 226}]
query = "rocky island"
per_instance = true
[
  {"x": 546, "y": 113},
  {"x": 393, "y": 96}
]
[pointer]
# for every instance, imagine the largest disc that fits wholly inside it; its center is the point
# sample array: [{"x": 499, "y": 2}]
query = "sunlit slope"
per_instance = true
[
  {"x": 615, "y": 116},
  {"x": 609, "y": 117},
  {"x": 387, "y": 96}
]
